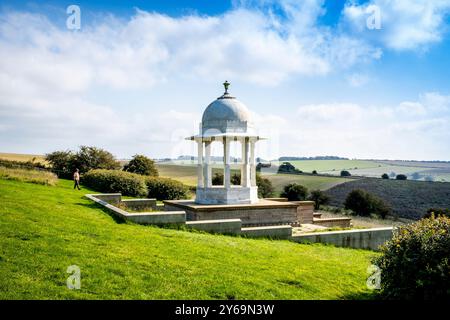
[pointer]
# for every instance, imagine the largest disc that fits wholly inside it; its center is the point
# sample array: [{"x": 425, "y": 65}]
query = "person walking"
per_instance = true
[{"x": 76, "y": 179}]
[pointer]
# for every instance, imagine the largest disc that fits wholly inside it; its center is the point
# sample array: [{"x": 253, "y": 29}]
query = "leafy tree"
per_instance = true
[
  {"x": 295, "y": 192},
  {"x": 345, "y": 173},
  {"x": 319, "y": 197},
  {"x": 314, "y": 172},
  {"x": 265, "y": 187},
  {"x": 141, "y": 165},
  {"x": 385, "y": 176},
  {"x": 88, "y": 158},
  {"x": 401, "y": 177},
  {"x": 64, "y": 163},
  {"x": 363, "y": 203},
  {"x": 287, "y": 167}
]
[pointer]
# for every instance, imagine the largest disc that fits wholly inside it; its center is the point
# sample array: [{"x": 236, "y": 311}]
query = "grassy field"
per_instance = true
[
  {"x": 188, "y": 175},
  {"x": 22, "y": 157},
  {"x": 45, "y": 229},
  {"x": 311, "y": 182},
  {"x": 333, "y": 165},
  {"x": 408, "y": 199},
  {"x": 33, "y": 176}
]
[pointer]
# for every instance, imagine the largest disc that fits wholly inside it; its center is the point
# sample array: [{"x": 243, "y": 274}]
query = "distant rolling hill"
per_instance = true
[{"x": 408, "y": 199}]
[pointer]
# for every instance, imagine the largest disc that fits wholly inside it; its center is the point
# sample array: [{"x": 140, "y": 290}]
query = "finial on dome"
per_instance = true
[{"x": 226, "y": 84}]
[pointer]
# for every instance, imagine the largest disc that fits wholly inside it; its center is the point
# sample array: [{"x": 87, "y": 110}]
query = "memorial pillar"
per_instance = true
[
  {"x": 200, "y": 183},
  {"x": 207, "y": 166}
]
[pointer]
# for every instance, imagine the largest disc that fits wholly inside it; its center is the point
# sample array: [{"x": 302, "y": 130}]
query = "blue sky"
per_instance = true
[{"x": 138, "y": 74}]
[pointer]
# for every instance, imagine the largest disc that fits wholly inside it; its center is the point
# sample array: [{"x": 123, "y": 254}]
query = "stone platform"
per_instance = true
[{"x": 264, "y": 212}]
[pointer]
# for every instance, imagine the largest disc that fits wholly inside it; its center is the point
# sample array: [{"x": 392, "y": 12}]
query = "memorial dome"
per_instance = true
[{"x": 226, "y": 114}]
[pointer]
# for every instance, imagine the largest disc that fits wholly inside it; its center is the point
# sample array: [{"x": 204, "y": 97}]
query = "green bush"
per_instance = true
[
  {"x": 401, "y": 177},
  {"x": 319, "y": 197},
  {"x": 363, "y": 203},
  {"x": 129, "y": 184},
  {"x": 295, "y": 192},
  {"x": 345, "y": 173},
  {"x": 141, "y": 165},
  {"x": 415, "y": 264},
  {"x": 287, "y": 167},
  {"x": 265, "y": 187},
  {"x": 166, "y": 189},
  {"x": 384, "y": 176},
  {"x": 437, "y": 212}
]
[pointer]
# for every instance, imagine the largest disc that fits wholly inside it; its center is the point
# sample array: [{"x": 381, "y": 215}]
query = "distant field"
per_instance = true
[
  {"x": 188, "y": 175},
  {"x": 408, "y": 199},
  {"x": 333, "y": 165},
  {"x": 22, "y": 157}
]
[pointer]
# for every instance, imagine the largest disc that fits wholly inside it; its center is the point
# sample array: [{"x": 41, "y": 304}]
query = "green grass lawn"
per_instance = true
[{"x": 45, "y": 229}]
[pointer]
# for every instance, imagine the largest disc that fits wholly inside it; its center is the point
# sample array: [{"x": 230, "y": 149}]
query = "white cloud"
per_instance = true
[
  {"x": 409, "y": 130},
  {"x": 405, "y": 25}
]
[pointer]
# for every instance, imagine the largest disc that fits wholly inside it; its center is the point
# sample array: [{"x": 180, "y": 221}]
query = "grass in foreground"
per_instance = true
[{"x": 44, "y": 229}]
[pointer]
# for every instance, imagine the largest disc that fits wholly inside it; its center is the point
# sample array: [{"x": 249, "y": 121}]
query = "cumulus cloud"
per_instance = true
[
  {"x": 405, "y": 25},
  {"x": 411, "y": 129}
]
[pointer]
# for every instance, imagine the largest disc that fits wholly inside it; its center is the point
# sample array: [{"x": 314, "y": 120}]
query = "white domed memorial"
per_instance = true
[
  {"x": 226, "y": 208},
  {"x": 225, "y": 120}
]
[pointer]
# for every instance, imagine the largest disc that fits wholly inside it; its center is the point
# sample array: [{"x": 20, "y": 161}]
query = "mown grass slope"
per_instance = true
[{"x": 45, "y": 229}]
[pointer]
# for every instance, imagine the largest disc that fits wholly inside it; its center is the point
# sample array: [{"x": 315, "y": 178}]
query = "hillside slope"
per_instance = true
[
  {"x": 43, "y": 230},
  {"x": 408, "y": 199}
]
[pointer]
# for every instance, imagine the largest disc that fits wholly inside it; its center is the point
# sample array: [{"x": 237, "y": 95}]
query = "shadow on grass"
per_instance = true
[
  {"x": 105, "y": 210},
  {"x": 372, "y": 295}
]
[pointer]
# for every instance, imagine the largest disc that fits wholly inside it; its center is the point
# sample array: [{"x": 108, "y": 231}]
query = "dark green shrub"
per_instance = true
[
  {"x": 363, "y": 203},
  {"x": 345, "y": 173},
  {"x": 314, "y": 172},
  {"x": 401, "y": 177},
  {"x": 217, "y": 179},
  {"x": 265, "y": 187},
  {"x": 141, "y": 165},
  {"x": 384, "y": 176},
  {"x": 415, "y": 264},
  {"x": 166, "y": 189},
  {"x": 436, "y": 212},
  {"x": 294, "y": 192},
  {"x": 319, "y": 197},
  {"x": 287, "y": 167},
  {"x": 129, "y": 184}
]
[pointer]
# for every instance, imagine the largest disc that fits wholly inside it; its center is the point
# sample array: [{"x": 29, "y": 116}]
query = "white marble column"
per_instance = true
[
  {"x": 226, "y": 163},
  {"x": 207, "y": 166},
  {"x": 252, "y": 164},
  {"x": 200, "y": 183},
  {"x": 245, "y": 172}
]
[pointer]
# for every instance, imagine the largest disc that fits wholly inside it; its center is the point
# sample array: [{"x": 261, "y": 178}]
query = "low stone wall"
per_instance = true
[
  {"x": 224, "y": 226},
  {"x": 305, "y": 211},
  {"x": 113, "y": 198},
  {"x": 333, "y": 222},
  {"x": 157, "y": 218},
  {"x": 358, "y": 238},
  {"x": 263, "y": 213},
  {"x": 276, "y": 232},
  {"x": 139, "y": 204}
]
